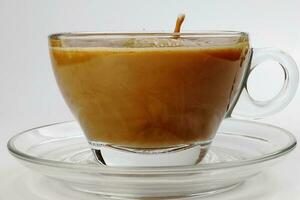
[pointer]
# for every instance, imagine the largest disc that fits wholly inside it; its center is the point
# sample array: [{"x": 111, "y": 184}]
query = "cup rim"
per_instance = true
[{"x": 194, "y": 34}]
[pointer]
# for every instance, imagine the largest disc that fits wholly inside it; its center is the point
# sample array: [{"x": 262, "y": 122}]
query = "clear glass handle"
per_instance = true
[{"x": 248, "y": 107}]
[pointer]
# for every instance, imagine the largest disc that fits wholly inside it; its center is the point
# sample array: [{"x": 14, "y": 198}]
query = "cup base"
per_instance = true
[{"x": 111, "y": 155}]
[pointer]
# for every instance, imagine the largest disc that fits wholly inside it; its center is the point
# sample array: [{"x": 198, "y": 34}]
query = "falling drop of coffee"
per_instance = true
[{"x": 179, "y": 22}]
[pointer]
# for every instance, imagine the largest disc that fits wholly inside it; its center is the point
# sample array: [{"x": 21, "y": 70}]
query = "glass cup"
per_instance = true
[{"x": 157, "y": 99}]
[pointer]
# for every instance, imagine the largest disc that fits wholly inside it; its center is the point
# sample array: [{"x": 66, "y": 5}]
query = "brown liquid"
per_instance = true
[{"x": 149, "y": 97}]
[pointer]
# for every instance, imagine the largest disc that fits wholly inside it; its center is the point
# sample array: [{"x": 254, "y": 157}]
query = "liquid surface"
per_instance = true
[{"x": 150, "y": 97}]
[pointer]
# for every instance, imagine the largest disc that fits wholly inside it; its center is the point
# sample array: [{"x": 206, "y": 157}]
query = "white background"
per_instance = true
[{"x": 29, "y": 96}]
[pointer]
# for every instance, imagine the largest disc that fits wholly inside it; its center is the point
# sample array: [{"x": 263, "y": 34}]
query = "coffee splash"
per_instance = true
[{"x": 179, "y": 22}]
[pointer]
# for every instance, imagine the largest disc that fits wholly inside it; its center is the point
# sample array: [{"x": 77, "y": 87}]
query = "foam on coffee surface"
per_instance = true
[{"x": 155, "y": 42}]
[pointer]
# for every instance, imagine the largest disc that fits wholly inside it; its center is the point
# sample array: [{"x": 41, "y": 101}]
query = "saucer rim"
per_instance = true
[{"x": 157, "y": 170}]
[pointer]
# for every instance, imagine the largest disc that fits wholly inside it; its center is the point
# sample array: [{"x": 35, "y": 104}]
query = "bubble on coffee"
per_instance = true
[{"x": 153, "y": 42}]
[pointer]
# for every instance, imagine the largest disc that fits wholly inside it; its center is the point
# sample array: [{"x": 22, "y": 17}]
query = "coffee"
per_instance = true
[{"x": 148, "y": 94}]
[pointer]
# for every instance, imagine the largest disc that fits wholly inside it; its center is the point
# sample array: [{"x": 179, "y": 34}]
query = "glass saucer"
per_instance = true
[{"x": 241, "y": 149}]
